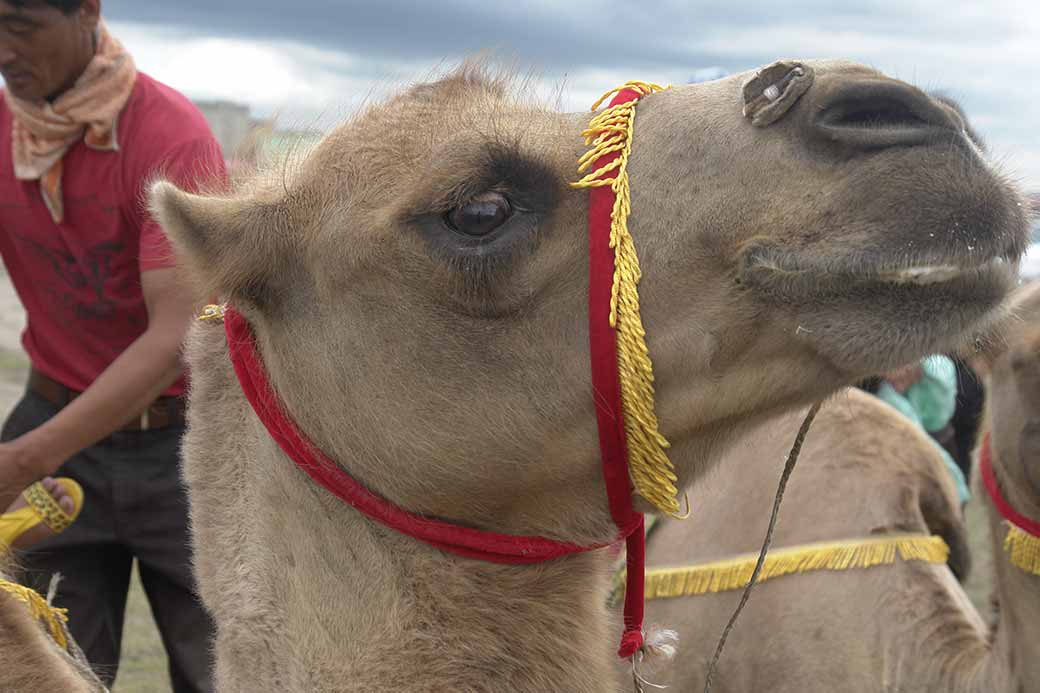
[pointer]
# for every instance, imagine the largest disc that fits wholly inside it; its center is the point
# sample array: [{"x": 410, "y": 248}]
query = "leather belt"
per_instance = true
[{"x": 162, "y": 413}]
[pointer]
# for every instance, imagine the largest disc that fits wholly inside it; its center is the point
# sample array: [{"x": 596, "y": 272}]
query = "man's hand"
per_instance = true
[
  {"x": 902, "y": 378},
  {"x": 17, "y": 471}
]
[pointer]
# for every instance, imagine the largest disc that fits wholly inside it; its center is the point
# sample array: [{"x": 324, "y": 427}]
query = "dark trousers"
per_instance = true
[
  {"x": 134, "y": 507},
  {"x": 971, "y": 396}
]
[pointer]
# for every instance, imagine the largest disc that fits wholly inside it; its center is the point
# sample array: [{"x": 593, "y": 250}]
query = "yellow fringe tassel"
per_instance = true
[
  {"x": 1023, "y": 549},
  {"x": 735, "y": 573},
  {"x": 55, "y": 619},
  {"x": 608, "y": 132}
]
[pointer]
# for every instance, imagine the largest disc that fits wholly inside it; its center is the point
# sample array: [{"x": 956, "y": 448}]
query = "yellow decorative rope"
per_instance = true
[
  {"x": 1022, "y": 549},
  {"x": 735, "y": 573},
  {"x": 611, "y": 131},
  {"x": 54, "y": 619}
]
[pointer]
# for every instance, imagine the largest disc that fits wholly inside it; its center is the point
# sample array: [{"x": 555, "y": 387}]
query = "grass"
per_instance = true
[
  {"x": 142, "y": 666},
  {"x": 979, "y": 584}
]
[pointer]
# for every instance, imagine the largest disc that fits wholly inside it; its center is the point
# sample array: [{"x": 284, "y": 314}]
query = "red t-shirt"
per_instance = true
[{"x": 80, "y": 281}]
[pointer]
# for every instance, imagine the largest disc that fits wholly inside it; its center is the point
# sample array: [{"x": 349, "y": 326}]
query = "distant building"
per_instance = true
[
  {"x": 247, "y": 141},
  {"x": 231, "y": 123}
]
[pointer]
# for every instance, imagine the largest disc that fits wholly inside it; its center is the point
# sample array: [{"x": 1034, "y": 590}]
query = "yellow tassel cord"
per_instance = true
[
  {"x": 1023, "y": 549},
  {"x": 735, "y": 573},
  {"x": 652, "y": 472},
  {"x": 54, "y": 619}
]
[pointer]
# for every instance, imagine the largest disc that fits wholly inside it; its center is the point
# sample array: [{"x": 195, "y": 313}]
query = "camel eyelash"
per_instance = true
[{"x": 530, "y": 184}]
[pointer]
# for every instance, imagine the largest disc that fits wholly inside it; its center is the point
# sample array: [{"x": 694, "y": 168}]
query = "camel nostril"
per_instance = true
[
  {"x": 874, "y": 115},
  {"x": 877, "y": 114}
]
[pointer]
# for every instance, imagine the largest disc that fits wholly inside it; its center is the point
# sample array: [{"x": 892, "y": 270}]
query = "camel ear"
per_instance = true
[{"x": 231, "y": 247}]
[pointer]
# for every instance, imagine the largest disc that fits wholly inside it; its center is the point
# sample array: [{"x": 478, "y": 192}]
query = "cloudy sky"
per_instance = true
[{"x": 315, "y": 61}]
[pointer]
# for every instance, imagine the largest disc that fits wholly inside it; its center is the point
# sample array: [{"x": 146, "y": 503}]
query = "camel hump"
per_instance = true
[{"x": 899, "y": 449}]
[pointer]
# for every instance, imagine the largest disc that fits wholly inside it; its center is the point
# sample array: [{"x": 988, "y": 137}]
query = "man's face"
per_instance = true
[{"x": 43, "y": 50}]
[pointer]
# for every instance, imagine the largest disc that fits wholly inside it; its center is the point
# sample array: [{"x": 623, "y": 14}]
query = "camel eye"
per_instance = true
[{"x": 480, "y": 216}]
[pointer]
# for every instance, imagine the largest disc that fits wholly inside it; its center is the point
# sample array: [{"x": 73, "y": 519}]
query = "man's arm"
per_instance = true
[{"x": 139, "y": 375}]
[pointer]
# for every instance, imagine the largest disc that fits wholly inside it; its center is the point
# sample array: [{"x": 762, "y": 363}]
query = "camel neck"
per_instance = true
[
  {"x": 1007, "y": 662},
  {"x": 957, "y": 654},
  {"x": 417, "y": 619},
  {"x": 1018, "y": 599}
]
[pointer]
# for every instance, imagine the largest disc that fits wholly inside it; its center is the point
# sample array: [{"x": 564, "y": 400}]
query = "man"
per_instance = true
[
  {"x": 82, "y": 134},
  {"x": 926, "y": 393}
]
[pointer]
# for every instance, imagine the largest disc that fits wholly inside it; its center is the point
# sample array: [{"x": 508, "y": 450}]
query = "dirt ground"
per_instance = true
[{"x": 143, "y": 665}]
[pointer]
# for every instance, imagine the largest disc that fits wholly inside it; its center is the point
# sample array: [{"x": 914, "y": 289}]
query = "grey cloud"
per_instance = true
[
  {"x": 955, "y": 47},
  {"x": 553, "y": 35}
]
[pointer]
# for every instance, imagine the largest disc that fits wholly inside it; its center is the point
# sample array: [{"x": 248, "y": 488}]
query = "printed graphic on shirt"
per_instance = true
[{"x": 65, "y": 291}]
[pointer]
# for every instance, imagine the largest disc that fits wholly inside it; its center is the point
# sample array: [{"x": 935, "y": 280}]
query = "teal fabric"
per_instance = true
[{"x": 930, "y": 403}]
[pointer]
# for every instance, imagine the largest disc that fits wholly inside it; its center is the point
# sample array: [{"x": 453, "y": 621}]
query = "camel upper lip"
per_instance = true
[{"x": 924, "y": 273}]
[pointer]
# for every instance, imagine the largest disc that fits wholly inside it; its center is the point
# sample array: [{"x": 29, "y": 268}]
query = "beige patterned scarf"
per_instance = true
[{"x": 43, "y": 131}]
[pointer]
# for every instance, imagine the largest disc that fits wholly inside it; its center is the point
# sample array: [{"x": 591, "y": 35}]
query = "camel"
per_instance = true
[
  {"x": 30, "y": 657},
  {"x": 865, "y": 471},
  {"x": 417, "y": 289}
]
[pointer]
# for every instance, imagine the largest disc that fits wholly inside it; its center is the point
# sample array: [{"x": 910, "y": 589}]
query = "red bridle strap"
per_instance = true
[
  {"x": 606, "y": 392},
  {"x": 989, "y": 480},
  {"x": 463, "y": 541}
]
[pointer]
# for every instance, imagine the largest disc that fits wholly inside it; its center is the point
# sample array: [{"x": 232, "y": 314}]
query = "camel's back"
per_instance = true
[{"x": 864, "y": 471}]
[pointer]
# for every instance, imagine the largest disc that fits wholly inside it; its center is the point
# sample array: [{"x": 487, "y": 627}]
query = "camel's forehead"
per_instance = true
[
  {"x": 720, "y": 94},
  {"x": 822, "y": 68},
  {"x": 840, "y": 67},
  {"x": 470, "y": 98}
]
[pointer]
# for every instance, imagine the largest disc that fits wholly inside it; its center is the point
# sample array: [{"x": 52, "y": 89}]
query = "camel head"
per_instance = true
[
  {"x": 418, "y": 283},
  {"x": 1013, "y": 402}
]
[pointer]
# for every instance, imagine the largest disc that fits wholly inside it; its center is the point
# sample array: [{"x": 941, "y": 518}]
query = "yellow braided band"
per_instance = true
[
  {"x": 54, "y": 619},
  {"x": 735, "y": 573},
  {"x": 652, "y": 472},
  {"x": 1022, "y": 549}
]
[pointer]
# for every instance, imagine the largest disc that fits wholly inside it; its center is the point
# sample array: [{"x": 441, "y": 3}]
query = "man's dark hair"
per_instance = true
[{"x": 66, "y": 6}]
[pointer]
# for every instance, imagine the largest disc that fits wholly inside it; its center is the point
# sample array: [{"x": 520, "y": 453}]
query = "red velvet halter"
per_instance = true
[
  {"x": 465, "y": 541},
  {"x": 989, "y": 479}
]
